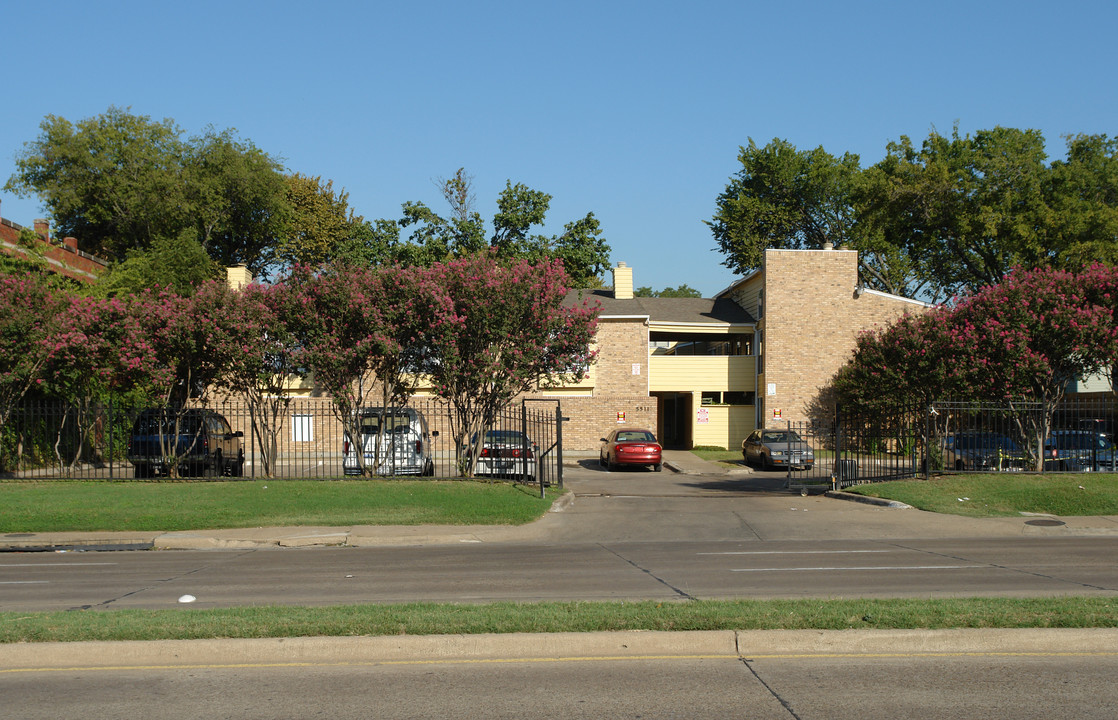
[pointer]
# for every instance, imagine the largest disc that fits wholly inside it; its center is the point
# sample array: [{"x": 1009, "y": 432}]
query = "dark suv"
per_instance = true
[{"x": 190, "y": 442}]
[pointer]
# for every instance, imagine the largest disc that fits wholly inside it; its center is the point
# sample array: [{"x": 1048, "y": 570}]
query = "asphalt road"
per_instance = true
[
  {"x": 627, "y": 535},
  {"x": 801, "y": 675}
]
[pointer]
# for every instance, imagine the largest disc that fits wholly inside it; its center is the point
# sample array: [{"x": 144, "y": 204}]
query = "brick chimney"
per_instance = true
[
  {"x": 43, "y": 228},
  {"x": 70, "y": 242},
  {"x": 623, "y": 282}
]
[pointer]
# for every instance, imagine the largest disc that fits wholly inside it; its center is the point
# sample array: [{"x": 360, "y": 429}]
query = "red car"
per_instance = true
[{"x": 629, "y": 446}]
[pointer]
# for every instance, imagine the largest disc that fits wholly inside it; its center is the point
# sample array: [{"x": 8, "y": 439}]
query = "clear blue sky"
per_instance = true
[{"x": 632, "y": 110}]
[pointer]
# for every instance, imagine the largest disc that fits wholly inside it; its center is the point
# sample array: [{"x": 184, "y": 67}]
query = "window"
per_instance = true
[
  {"x": 734, "y": 397},
  {"x": 302, "y": 428},
  {"x": 696, "y": 344}
]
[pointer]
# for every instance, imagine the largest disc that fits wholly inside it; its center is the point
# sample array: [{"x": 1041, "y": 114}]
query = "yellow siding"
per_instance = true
[
  {"x": 706, "y": 328},
  {"x": 726, "y": 426},
  {"x": 717, "y": 373}
]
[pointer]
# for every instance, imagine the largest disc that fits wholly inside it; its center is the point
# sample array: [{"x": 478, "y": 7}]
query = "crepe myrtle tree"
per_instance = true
[
  {"x": 28, "y": 306},
  {"x": 94, "y": 352},
  {"x": 1023, "y": 339},
  {"x": 1032, "y": 334},
  {"x": 263, "y": 352},
  {"x": 905, "y": 366},
  {"x": 361, "y": 332},
  {"x": 508, "y": 333},
  {"x": 185, "y": 339}
]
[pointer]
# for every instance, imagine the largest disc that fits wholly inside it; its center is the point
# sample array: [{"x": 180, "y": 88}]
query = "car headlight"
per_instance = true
[{"x": 778, "y": 453}]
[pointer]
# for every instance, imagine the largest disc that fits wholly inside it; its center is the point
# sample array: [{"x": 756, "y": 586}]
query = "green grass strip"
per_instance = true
[
  {"x": 1005, "y": 494},
  {"x": 549, "y": 617},
  {"x": 61, "y": 506}
]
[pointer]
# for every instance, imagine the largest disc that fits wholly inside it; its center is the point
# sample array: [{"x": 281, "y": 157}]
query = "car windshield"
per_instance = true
[
  {"x": 370, "y": 424},
  {"x": 781, "y": 436},
  {"x": 984, "y": 441},
  {"x": 149, "y": 424},
  {"x": 1082, "y": 441},
  {"x": 504, "y": 437},
  {"x": 635, "y": 436}
]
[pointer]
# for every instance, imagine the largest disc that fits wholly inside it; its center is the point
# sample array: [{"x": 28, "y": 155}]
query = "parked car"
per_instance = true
[
  {"x": 981, "y": 451},
  {"x": 195, "y": 442},
  {"x": 777, "y": 448},
  {"x": 406, "y": 446},
  {"x": 1079, "y": 450},
  {"x": 507, "y": 453},
  {"x": 630, "y": 446}
]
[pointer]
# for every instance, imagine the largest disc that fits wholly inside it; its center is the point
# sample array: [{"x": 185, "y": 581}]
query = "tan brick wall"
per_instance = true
[
  {"x": 812, "y": 318},
  {"x": 622, "y": 345},
  {"x": 592, "y": 418}
]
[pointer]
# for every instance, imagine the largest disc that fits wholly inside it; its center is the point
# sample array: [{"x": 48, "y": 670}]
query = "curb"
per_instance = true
[
  {"x": 866, "y": 500},
  {"x": 429, "y": 649}
]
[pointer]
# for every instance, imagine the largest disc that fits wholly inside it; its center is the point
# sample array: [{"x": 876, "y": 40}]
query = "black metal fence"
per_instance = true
[
  {"x": 958, "y": 437},
  {"x": 52, "y": 440}
]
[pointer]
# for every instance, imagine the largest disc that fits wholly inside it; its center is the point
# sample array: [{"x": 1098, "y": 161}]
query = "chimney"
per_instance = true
[
  {"x": 238, "y": 276},
  {"x": 43, "y": 228},
  {"x": 71, "y": 242},
  {"x": 828, "y": 245},
  {"x": 622, "y": 282}
]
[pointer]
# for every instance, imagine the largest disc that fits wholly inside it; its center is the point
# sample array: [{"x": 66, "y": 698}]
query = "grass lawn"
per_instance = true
[
  {"x": 59, "y": 506},
  {"x": 1002, "y": 494},
  {"x": 438, "y": 619}
]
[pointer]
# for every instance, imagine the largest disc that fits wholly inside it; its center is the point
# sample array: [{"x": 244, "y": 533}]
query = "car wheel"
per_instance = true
[
  {"x": 765, "y": 464},
  {"x": 601, "y": 460},
  {"x": 141, "y": 471},
  {"x": 656, "y": 467}
]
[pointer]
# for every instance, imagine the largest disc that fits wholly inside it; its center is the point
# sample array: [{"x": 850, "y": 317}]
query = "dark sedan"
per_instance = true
[
  {"x": 630, "y": 446},
  {"x": 777, "y": 448}
]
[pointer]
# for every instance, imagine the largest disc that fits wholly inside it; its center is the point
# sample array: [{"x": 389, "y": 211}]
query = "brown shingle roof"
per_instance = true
[{"x": 677, "y": 310}]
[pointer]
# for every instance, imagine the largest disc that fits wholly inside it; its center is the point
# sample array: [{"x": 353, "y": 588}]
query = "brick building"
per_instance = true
[
  {"x": 708, "y": 371},
  {"x": 810, "y": 308},
  {"x": 59, "y": 256}
]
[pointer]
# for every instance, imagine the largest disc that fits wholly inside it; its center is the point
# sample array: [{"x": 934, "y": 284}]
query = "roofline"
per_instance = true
[
  {"x": 902, "y": 298},
  {"x": 737, "y": 282},
  {"x": 623, "y": 317},
  {"x": 705, "y": 324}
]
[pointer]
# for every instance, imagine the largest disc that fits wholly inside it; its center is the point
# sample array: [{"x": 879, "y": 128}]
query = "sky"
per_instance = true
[{"x": 634, "y": 111}]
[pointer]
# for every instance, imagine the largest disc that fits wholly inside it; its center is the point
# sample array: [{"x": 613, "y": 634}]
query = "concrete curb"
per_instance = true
[
  {"x": 730, "y": 644},
  {"x": 866, "y": 500}
]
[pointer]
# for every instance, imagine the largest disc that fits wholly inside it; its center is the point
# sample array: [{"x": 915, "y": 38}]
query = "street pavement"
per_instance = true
[{"x": 830, "y": 516}]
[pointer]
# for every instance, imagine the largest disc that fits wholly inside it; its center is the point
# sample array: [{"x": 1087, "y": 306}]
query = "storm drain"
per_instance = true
[{"x": 1043, "y": 522}]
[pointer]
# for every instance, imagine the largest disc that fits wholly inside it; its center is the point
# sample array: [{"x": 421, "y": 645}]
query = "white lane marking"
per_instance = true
[
  {"x": 796, "y": 552},
  {"x": 24, "y": 582},
  {"x": 883, "y": 567},
  {"x": 53, "y": 565}
]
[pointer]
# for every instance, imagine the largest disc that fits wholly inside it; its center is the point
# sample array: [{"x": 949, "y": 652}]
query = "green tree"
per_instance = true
[
  {"x": 179, "y": 264},
  {"x": 239, "y": 199},
  {"x": 970, "y": 208},
  {"x": 120, "y": 182},
  {"x": 1084, "y": 191},
  {"x": 520, "y": 209},
  {"x": 683, "y": 291},
  {"x": 321, "y": 223},
  {"x": 784, "y": 198}
]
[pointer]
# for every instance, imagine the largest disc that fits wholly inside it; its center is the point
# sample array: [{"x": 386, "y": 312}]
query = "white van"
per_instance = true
[{"x": 407, "y": 443}]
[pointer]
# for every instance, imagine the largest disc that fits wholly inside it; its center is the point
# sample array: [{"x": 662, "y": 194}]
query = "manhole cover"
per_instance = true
[
  {"x": 19, "y": 535},
  {"x": 1045, "y": 523}
]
